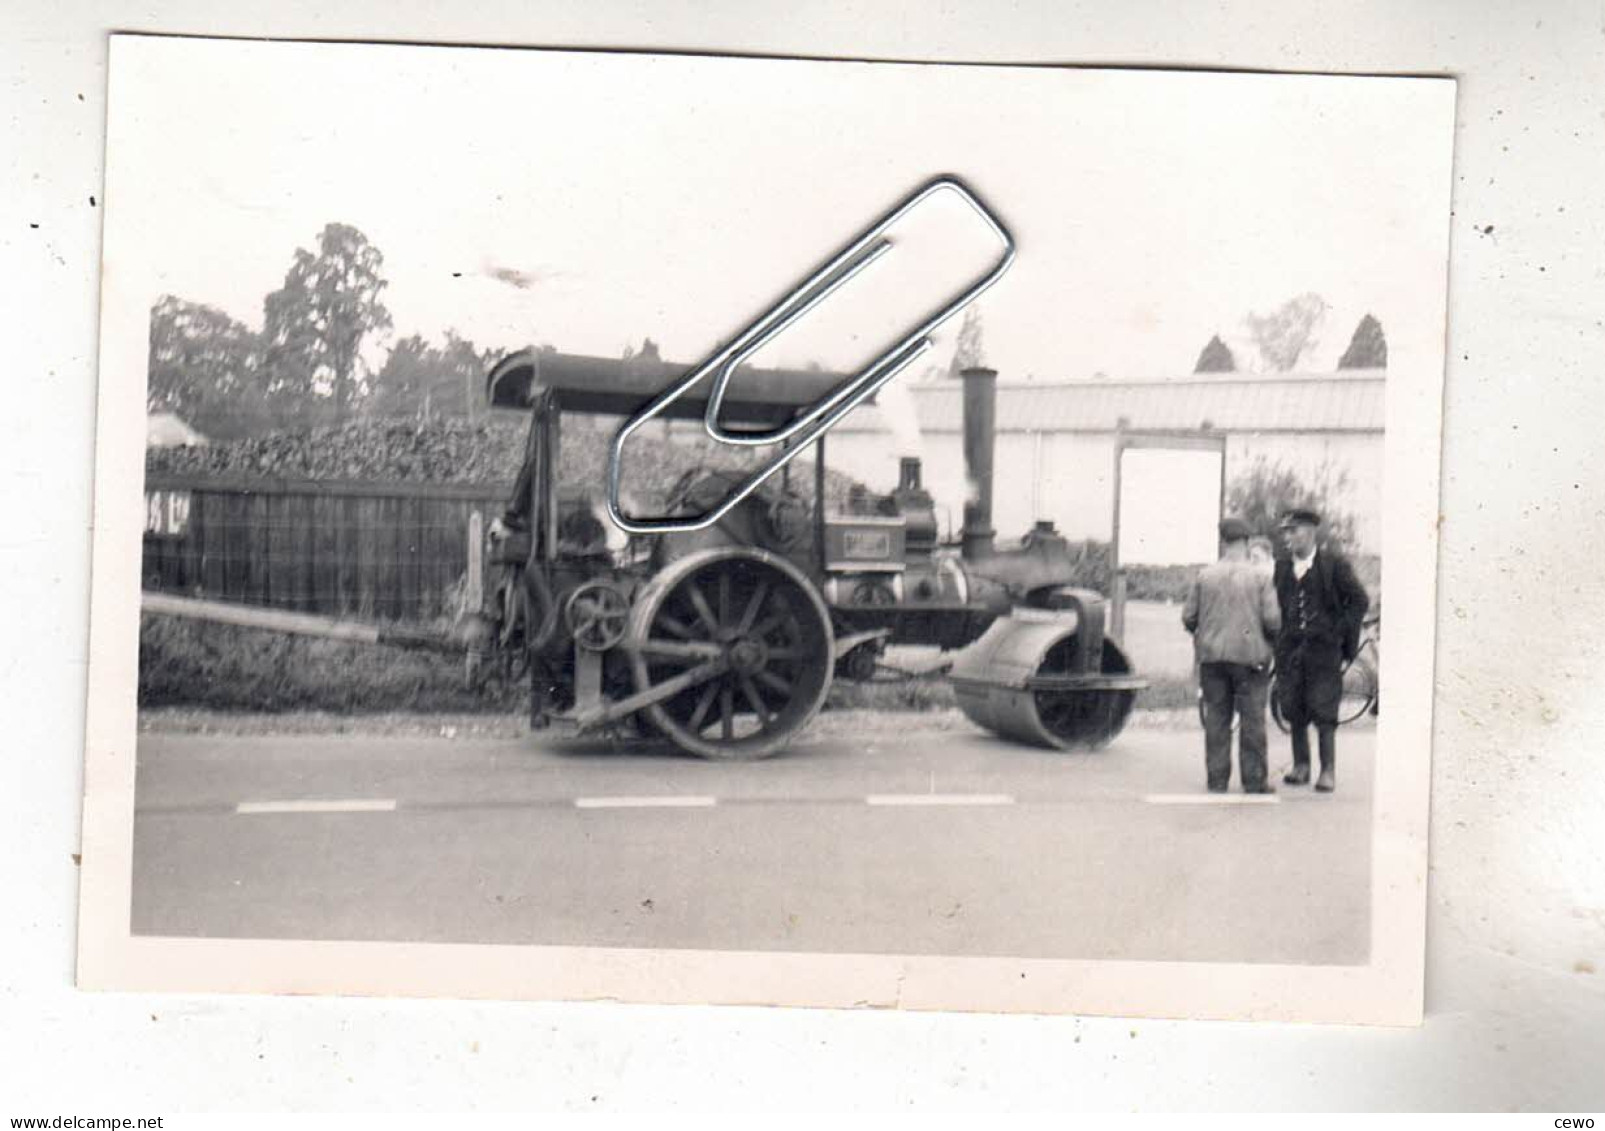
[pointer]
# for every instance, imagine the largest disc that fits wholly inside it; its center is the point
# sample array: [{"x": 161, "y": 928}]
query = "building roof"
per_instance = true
[{"x": 1348, "y": 402}]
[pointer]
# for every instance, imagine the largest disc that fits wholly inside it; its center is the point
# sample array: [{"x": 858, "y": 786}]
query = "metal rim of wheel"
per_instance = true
[
  {"x": 749, "y": 635},
  {"x": 1088, "y": 719},
  {"x": 1276, "y": 706},
  {"x": 597, "y": 615},
  {"x": 1358, "y": 697},
  {"x": 1359, "y": 690}
]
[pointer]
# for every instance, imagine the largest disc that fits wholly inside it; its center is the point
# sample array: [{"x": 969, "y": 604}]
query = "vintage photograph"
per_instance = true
[{"x": 586, "y": 524}]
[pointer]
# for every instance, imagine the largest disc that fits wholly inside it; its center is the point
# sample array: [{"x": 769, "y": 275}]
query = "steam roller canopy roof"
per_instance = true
[{"x": 619, "y": 387}]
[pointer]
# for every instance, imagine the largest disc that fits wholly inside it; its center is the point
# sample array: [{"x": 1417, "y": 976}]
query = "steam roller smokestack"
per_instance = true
[{"x": 980, "y": 426}]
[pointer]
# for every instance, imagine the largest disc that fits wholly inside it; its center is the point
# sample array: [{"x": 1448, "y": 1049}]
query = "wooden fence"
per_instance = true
[{"x": 389, "y": 551}]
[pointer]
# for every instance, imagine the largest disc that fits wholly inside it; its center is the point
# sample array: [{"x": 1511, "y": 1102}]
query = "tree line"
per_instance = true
[
  {"x": 306, "y": 367},
  {"x": 1287, "y": 334},
  {"x": 1281, "y": 337}
]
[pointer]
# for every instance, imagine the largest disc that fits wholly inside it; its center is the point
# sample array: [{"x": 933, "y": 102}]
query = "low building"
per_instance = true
[{"x": 1056, "y": 441}]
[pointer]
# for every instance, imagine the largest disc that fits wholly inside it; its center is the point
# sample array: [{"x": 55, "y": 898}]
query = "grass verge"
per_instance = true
[{"x": 186, "y": 663}]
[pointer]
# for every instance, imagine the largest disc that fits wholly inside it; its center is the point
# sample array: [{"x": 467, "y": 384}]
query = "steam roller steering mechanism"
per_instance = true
[{"x": 1048, "y": 676}]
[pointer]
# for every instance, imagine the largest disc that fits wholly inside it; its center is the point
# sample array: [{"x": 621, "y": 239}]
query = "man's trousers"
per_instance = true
[
  {"x": 1309, "y": 687},
  {"x": 1241, "y": 690}
]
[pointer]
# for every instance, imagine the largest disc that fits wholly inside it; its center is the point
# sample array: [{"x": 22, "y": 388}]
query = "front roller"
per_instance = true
[
  {"x": 734, "y": 650},
  {"x": 1048, "y": 677}
]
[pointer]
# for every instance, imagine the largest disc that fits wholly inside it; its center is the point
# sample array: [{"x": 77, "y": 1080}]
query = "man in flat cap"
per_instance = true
[
  {"x": 1323, "y": 607},
  {"x": 1233, "y": 615}
]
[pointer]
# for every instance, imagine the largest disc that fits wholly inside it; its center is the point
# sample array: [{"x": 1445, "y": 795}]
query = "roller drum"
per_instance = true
[{"x": 1019, "y": 681}]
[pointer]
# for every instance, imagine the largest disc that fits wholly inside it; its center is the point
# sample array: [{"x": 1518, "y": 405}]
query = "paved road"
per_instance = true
[{"x": 905, "y": 842}]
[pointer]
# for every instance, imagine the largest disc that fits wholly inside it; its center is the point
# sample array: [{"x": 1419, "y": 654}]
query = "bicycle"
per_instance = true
[{"x": 1361, "y": 681}]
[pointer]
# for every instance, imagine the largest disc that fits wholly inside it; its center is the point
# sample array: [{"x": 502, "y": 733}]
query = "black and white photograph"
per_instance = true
[{"x": 688, "y": 528}]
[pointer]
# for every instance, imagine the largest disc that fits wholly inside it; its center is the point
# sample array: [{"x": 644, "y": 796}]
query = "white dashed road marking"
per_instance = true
[
  {"x": 645, "y": 802},
  {"x": 1211, "y": 799},
  {"x": 939, "y": 799},
  {"x": 675, "y": 801},
  {"x": 351, "y": 806}
]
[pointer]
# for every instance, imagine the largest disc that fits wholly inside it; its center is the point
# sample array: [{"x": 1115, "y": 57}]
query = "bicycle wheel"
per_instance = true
[
  {"x": 1276, "y": 705},
  {"x": 1359, "y": 690}
]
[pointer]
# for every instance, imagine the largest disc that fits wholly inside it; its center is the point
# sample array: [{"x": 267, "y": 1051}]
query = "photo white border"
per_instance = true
[{"x": 1388, "y": 990}]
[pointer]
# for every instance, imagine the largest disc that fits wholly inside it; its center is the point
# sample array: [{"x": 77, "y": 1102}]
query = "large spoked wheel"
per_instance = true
[{"x": 746, "y": 641}]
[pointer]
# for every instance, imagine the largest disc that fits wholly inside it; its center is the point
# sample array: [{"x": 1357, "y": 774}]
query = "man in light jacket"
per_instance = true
[{"x": 1233, "y": 614}]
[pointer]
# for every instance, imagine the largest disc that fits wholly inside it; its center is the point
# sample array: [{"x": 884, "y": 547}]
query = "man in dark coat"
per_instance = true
[{"x": 1323, "y": 608}]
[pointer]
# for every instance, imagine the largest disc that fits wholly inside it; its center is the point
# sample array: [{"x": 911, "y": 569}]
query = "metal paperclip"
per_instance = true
[{"x": 803, "y": 430}]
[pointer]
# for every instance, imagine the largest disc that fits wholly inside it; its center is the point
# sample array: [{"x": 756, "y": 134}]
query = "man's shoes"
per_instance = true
[
  {"x": 1298, "y": 775},
  {"x": 1213, "y": 788},
  {"x": 1262, "y": 787},
  {"x": 1326, "y": 783}
]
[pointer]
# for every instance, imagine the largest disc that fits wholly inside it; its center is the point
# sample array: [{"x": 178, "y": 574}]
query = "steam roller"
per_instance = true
[
  {"x": 1048, "y": 676},
  {"x": 725, "y": 640}
]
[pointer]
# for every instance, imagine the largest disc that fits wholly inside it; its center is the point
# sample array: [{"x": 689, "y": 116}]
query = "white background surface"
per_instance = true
[
  {"x": 1169, "y": 506},
  {"x": 1516, "y": 1007}
]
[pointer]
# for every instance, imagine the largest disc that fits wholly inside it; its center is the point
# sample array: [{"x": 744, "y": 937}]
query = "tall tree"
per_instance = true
[
  {"x": 205, "y": 366},
  {"x": 1266, "y": 489},
  {"x": 465, "y": 368},
  {"x": 1216, "y": 358},
  {"x": 314, "y": 325},
  {"x": 421, "y": 380},
  {"x": 404, "y": 385},
  {"x": 1368, "y": 349},
  {"x": 1288, "y": 332}
]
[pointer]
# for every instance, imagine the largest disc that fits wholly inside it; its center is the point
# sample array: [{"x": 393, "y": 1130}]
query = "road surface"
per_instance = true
[{"x": 913, "y": 841}]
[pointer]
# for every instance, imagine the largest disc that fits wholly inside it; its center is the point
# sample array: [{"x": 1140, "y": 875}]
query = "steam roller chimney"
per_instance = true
[{"x": 980, "y": 428}]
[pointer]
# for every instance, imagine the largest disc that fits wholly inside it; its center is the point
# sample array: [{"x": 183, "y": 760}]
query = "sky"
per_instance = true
[{"x": 676, "y": 197}]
